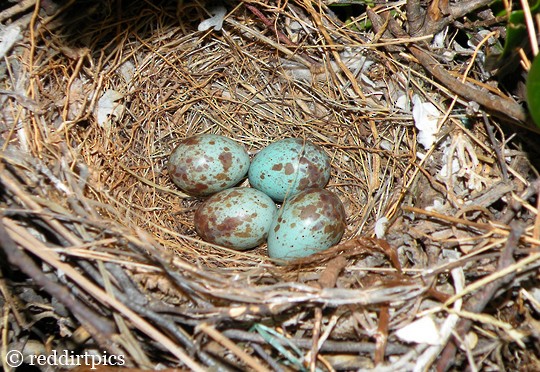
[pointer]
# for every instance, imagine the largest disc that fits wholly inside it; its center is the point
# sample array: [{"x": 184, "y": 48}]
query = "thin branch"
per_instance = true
[
  {"x": 415, "y": 17},
  {"x": 343, "y": 347},
  {"x": 100, "y": 328},
  {"x": 478, "y": 302},
  {"x": 504, "y": 108},
  {"x": 496, "y": 148},
  {"x": 434, "y": 24}
]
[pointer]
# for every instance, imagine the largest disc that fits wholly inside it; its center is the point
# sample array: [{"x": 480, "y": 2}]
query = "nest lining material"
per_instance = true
[
  {"x": 206, "y": 85},
  {"x": 91, "y": 199}
]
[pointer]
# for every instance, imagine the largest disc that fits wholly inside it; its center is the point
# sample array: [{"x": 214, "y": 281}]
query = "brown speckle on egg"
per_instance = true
[
  {"x": 309, "y": 211},
  {"x": 289, "y": 169},
  {"x": 309, "y": 222},
  {"x": 237, "y": 218},
  {"x": 191, "y": 141},
  {"x": 207, "y": 159},
  {"x": 289, "y": 166},
  {"x": 226, "y": 160}
]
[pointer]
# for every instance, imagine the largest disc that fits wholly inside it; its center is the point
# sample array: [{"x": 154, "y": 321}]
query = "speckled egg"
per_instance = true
[
  {"x": 307, "y": 223},
  {"x": 286, "y": 167},
  {"x": 207, "y": 163},
  {"x": 237, "y": 218}
]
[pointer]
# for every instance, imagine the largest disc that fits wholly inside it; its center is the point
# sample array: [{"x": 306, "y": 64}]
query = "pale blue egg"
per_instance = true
[
  {"x": 286, "y": 167},
  {"x": 207, "y": 163},
  {"x": 237, "y": 218},
  {"x": 309, "y": 222}
]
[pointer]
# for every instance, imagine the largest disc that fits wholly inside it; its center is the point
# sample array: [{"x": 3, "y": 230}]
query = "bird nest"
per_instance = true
[{"x": 438, "y": 264}]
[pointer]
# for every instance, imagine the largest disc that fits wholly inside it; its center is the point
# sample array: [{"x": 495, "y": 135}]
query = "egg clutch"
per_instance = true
[{"x": 291, "y": 171}]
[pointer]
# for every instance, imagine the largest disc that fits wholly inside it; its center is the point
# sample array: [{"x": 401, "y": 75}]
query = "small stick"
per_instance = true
[
  {"x": 281, "y": 36},
  {"x": 221, "y": 339},
  {"x": 37, "y": 248},
  {"x": 497, "y": 149},
  {"x": 530, "y": 26},
  {"x": 478, "y": 302},
  {"x": 503, "y": 107},
  {"x": 17, "y": 8},
  {"x": 314, "y": 352},
  {"x": 267, "y": 358},
  {"x": 100, "y": 328},
  {"x": 328, "y": 279},
  {"x": 300, "y": 59},
  {"x": 329, "y": 346},
  {"x": 381, "y": 336}
]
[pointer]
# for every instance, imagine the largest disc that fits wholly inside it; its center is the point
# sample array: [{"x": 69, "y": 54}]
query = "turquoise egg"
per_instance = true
[
  {"x": 237, "y": 218},
  {"x": 286, "y": 167},
  {"x": 307, "y": 223},
  {"x": 207, "y": 163}
]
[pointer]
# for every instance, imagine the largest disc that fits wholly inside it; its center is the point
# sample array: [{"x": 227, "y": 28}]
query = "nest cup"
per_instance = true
[
  {"x": 113, "y": 90},
  {"x": 168, "y": 82}
]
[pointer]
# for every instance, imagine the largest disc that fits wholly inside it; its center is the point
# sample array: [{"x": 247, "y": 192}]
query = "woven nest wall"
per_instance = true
[{"x": 100, "y": 251}]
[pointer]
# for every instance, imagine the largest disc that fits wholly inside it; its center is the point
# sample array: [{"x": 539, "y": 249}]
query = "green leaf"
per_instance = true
[
  {"x": 533, "y": 90},
  {"x": 273, "y": 339},
  {"x": 516, "y": 30},
  {"x": 507, "y": 60}
]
